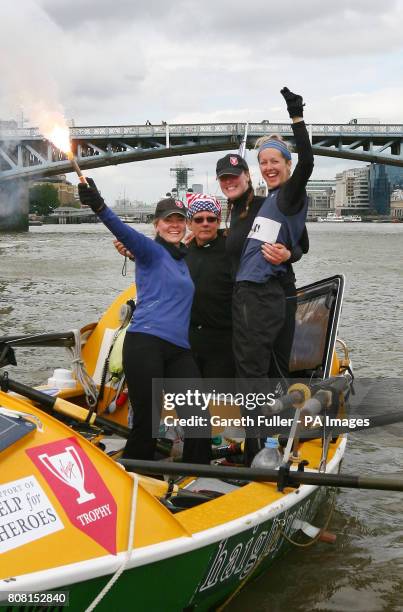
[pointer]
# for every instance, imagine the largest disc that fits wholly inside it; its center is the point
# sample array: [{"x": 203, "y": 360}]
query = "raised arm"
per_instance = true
[
  {"x": 142, "y": 247},
  {"x": 291, "y": 196}
]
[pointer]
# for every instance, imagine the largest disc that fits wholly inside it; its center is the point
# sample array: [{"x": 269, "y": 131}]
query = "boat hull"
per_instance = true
[
  {"x": 90, "y": 508},
  {"x": 202, "y": 578}
]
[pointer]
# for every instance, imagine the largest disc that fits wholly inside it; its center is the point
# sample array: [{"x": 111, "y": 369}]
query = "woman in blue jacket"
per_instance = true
[{"x": 156, "y": 343}]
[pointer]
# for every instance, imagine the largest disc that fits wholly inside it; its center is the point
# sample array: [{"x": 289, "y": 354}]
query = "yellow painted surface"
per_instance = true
[
  {"x": 335, "y": 368},
  {"x": 90, "y": 351},
  {"x": 250, "y": 498},
  {"x": 231, "y": 506},
  {"x": 110, "y": 319},
  {"x": 154, "y": 523}
]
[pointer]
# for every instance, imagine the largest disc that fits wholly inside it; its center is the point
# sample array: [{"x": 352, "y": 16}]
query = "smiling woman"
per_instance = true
[
  {"x": 171, "y": 228},
  {"x": 263, "y": 305},
  {"x": 274, "y": 160},
  {"x": 156, "y": 344}
]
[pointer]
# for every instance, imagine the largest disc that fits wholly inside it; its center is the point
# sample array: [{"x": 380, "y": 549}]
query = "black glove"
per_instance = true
[
  {"x": 90, "y": 196},
  {"x": 295, "y": 105}
]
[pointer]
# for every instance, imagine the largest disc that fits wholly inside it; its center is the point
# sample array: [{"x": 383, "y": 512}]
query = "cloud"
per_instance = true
[
  {"x": 310, "y": 29},
  {"x": 123, "y": 62},
  {"x": 29, "y": 67},
  {"x": 79, "y": 14}
]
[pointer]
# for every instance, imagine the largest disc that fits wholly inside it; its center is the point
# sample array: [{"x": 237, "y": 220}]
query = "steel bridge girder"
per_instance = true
[{"x": 25, "y": 154}]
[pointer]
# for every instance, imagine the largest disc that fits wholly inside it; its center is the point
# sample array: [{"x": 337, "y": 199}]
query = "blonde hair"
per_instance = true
[{"x": 263, "y": 139}]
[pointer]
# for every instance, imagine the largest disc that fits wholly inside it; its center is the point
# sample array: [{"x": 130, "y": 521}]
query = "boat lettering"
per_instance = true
[
  {"x": 26, "y": 513},
  {"x": 7, "y": 491},
  {"x": 78, "y": 486},
  {"x": 231, "y": 562},
  {"x": 247, "y": 547},
  {"x": 213, "y": 575},
  {"x": 244, "y": 556},
  {"x": 8, "y": 507},
  {"x": 258, "y": 545},
  {"x": 94, "y": 515}
]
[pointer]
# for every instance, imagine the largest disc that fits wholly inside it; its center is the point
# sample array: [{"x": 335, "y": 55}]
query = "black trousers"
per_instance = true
[
  {"x": 212, "y": 351},
  {"x": 147, "y": 357},
  {"x": 258, "y": 317},
  {"x": 281, "y": 353},
  {"x": 263, "y": 326}
]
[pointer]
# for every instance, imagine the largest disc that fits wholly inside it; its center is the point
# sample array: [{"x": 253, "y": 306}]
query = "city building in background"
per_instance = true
[
  {"x": 321, "y": 198},
  {"x": 396, "y": 204},
  {"x": 379, "y": 189},
  {"x": 197, "y": 188},
  {"x": 367, "y": 191},
  {"x": 383, "y": 180},
  {"x": 133, "y": 211},
  {"x": 352, "y": 192},
  {"x": 124, "y": 205},
  {"x": 66, "y": 192}
]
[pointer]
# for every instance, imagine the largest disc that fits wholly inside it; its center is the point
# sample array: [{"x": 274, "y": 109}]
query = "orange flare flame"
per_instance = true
[
  {"x": 60, "y": 137},
  {"x": 54, "y": 128}
]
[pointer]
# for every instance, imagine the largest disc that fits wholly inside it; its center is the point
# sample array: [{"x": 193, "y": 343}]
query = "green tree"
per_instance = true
[{"x": 43, "y": 199}]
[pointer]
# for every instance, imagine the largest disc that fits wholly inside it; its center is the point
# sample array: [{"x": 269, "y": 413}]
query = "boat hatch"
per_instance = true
[
  {"x": 316, "y": 322},
  {"x": 13, "y": 429}
]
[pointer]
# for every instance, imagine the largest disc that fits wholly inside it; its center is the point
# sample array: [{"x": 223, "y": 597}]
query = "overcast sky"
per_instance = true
[{"x": 106, "y": 62}]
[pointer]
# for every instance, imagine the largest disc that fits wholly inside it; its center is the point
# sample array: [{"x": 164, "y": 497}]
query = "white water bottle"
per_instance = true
[{"x": 269, "y": 457}]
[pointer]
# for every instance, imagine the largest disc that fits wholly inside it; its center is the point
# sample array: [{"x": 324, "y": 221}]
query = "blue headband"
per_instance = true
[{"x": 276, "y": 144}]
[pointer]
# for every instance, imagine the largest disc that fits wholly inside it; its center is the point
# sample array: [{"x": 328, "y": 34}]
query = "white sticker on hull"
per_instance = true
[{"x": 26, "y": 513}]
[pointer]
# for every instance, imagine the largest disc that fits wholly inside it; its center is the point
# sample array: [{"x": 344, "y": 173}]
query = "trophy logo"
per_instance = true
[
  {"x": 79, "y": 487},
  {"x": 68, "y": 468}
]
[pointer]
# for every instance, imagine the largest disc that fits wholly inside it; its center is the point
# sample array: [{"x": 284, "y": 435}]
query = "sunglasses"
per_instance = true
[{"x": 211, "y": 219}]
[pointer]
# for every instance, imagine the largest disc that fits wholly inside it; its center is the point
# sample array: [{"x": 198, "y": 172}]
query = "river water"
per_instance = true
[{"x": 57, "y": 278}]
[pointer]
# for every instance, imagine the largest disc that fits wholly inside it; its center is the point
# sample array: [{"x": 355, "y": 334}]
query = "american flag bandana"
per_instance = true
[{"x": 198, "y": 202}]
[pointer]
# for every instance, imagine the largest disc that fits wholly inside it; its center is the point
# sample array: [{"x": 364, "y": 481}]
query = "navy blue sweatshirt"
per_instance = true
[{"x": 281, "y": 217}]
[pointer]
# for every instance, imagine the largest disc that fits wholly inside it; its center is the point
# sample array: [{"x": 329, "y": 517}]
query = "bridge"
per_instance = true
[{"x": 25, "y": 154}]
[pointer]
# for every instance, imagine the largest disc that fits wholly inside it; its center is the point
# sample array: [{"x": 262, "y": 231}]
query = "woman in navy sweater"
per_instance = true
[
  {"x": 156, "y": 343},
  {"x": 260, "y": 301}
]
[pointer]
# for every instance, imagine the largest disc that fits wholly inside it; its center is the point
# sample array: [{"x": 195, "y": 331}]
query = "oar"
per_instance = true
[
  {"x": 293, "y": 479},
  {"x": 57, "y": 404},
  {"x": 335, "y": 430},
  {"x": 54, "y": 339}
]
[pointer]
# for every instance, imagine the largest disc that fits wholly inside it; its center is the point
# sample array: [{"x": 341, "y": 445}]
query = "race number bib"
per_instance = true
[{"x": 265, "y": 230}]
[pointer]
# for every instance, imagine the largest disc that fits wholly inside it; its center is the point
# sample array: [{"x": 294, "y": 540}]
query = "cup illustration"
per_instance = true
[{"x": 68, "y": 468}]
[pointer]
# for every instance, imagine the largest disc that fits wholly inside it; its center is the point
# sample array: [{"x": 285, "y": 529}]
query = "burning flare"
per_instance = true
[
  {"x": 60, "y": 137},
  {"x": 56, "y": 130}
]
